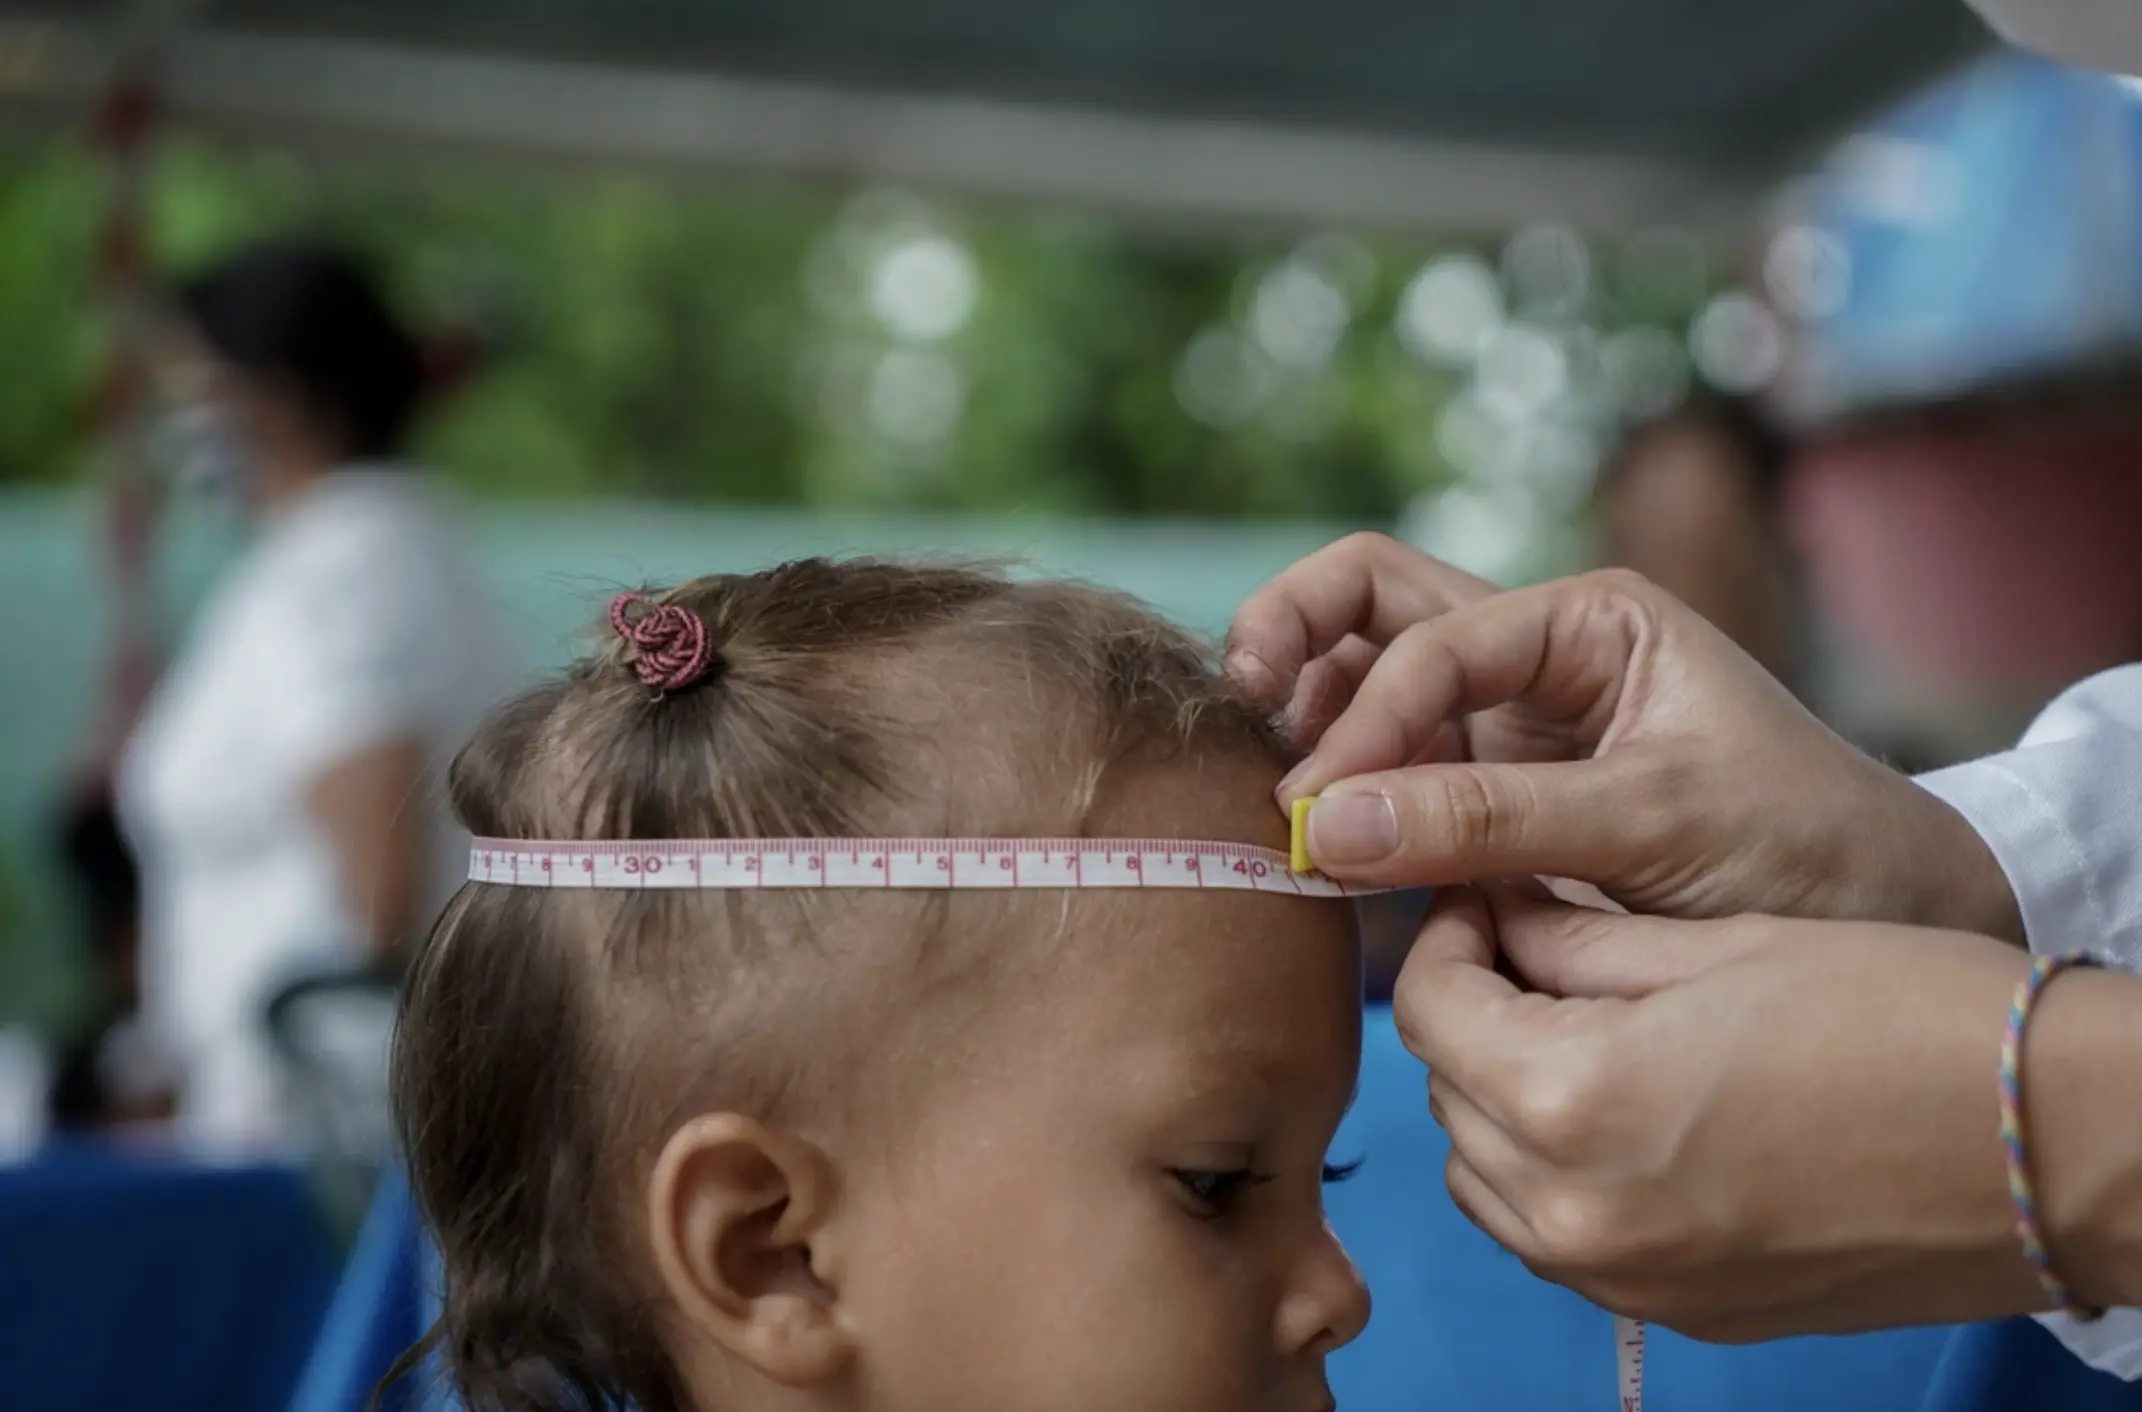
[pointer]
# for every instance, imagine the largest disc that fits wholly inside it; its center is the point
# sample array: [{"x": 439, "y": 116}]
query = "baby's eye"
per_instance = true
[
  {"x": 1215, "y": 1193},
  {"x": 1336, "y": 1172}
]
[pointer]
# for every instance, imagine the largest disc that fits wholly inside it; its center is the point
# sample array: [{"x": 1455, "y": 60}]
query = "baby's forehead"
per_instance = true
[
  {"x": 1218, "y": 978},
  {"x": 1220, "y": 796},
  {"x": 1239, "y": 1008}
]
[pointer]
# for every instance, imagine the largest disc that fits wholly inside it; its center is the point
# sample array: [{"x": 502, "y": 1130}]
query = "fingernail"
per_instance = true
[
  {"x": 1351, "y": 829},
  {"x": 1290, "y": 779},
  {"x": 1249, "y": 669}
]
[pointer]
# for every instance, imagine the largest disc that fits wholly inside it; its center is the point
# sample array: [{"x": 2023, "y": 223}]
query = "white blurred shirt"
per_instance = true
[
  {"x": 2062, "y": 813},
  {"x": 353, "y": 621}
]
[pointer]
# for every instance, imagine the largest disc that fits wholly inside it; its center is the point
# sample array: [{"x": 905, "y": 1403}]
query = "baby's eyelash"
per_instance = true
[{"x": 1217, "y": 1191}]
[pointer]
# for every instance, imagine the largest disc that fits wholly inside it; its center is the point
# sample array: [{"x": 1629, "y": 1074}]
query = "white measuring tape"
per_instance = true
[
  {"x": 937, "y": 864},
  {"x": 930, "y": 864}
]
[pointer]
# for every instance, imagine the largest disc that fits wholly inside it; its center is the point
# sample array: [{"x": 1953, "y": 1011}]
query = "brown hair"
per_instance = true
[{"x": 549, "y": 1041}]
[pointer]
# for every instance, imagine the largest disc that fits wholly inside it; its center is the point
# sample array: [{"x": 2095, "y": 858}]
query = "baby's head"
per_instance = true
[{"x": 947, "y": 1151}]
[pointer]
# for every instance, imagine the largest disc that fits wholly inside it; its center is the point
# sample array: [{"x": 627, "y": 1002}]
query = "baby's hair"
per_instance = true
[{"x": 550, "y": 1040}]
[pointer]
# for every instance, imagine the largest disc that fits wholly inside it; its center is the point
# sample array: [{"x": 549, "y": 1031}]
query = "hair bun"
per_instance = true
[{"x": 673, "y": 646}]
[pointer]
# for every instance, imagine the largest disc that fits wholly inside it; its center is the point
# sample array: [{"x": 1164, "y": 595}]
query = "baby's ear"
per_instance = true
[{"x": 733, "y": 1208}]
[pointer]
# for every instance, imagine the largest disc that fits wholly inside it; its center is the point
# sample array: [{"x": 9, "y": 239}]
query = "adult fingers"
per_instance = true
[
  {"x": 1365, "y": 584},
  {"x": 1597, "y": 820},
  {"x": 1326, "y": 687},
  {"x": 1479, "y": 1202},
  {"x": 1581, "y": 952},
  {"x": 1567, "y": 649},
  {"x": 1486, "y": 1145},
  {"x": 1452, "y": 1008}
]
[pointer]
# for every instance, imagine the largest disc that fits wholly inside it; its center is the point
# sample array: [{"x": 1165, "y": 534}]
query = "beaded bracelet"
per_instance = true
[{"x": 2012, "y": 1139}]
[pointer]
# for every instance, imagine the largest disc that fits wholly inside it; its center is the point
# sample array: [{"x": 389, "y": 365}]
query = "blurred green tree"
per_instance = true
[
  {"x": 753, "y": 342},
  {"x": 784, "y": 344}
]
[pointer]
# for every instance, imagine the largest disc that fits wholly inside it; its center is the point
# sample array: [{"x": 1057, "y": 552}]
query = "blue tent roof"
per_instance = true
[{"x": 1991, "y": 230}]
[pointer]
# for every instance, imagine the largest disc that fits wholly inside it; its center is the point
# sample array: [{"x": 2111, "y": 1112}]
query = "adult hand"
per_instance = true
[
  {"x": 1593, "y": 728},
  {"x": 1752, "y": 1128},
  {"x": 1305, "y": 641}
]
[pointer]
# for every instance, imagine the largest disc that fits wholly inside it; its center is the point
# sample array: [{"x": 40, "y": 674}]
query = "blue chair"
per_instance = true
[
  {"x": 382, "y": 1306},
  {"x": 136, "y": 1279},
  {"x": 1459, "y": 1324}
]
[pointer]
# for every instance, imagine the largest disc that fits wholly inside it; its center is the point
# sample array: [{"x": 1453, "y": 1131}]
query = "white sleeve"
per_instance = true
[
  {"x": 352, "y": 658},
  {"x": 2062, "y": 813}
]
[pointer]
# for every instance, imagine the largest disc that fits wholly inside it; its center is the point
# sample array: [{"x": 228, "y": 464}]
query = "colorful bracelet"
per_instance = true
[{"x": 2012, "y": 1138}]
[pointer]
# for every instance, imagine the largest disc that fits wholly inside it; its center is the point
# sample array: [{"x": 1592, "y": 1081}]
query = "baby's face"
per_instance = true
[{"x": 1115, "y": 1205}]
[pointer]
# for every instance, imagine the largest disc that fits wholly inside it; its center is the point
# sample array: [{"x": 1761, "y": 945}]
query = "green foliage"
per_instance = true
[
  {"x": 47, "y": 345},
  {"x": 764, "y": 343},
  {"x": 692, "y": 343}
]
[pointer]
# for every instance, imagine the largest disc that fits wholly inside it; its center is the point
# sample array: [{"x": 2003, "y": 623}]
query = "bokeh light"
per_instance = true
[
  {"x": 1450, "y": 310},
  {"x": 1737, "y": 344},
  {"x": 923, "y": 286}
]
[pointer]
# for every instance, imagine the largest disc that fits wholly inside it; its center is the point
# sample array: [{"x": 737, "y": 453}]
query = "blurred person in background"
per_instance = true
[
  {"x": 1695, "y": 500},
  {"x": 282, "y": 787},
  {"x": 1692, "y": 500}
]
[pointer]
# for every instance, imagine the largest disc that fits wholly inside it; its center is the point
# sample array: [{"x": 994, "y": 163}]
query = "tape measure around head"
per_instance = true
[
  {"x": 931, "y": 864},
  {"x": 935, "y": 864}
]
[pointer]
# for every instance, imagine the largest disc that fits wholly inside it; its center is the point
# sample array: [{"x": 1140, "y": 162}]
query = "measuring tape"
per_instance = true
[
  {"x": 1629, "y": 1362},
  {"x": 931, "y": 864},
  {"x": 938, "y": 864}
]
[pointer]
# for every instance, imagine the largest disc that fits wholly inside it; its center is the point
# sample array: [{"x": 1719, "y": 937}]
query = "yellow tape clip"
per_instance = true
[{"x": 1298, "y": 838}]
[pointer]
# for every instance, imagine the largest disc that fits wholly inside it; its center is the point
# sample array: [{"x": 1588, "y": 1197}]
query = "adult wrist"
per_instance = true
[
  {"x": 1946, "y": 874},
  {"x": 2081, "y": 1078}
]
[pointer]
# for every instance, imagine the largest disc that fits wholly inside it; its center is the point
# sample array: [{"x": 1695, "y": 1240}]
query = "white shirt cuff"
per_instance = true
[
  {"x": 2050, "y": 875},
  {"x": 2046, "y": 867}
]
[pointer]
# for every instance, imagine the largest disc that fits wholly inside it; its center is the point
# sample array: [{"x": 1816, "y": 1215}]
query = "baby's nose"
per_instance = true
[{"x": 1326, "y": 1305}]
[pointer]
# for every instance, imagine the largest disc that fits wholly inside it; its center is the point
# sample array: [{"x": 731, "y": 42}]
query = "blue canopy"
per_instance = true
[{"x": 1990, "y": 230}]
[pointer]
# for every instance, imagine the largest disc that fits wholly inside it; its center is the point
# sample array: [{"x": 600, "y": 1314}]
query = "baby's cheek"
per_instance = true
[
  {"x": 1116, "y": 1315},
  {"x": 1049, "y": 1294}
]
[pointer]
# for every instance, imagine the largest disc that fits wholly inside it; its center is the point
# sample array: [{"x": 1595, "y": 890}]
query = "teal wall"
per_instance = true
[{"x": 552, "y": 567}]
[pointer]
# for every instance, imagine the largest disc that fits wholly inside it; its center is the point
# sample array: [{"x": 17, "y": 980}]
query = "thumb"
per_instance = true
[
  {"x": 1582, "y": 952},
  {"x": 1432, "y": 825},
  {"x": 1450, "y": 1003}
]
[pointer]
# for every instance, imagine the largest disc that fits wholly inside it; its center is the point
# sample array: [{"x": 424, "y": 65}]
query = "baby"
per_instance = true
[{"x": 1018, "y": 1151}]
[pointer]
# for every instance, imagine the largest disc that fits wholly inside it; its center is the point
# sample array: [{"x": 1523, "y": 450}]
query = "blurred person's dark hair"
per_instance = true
[
  {"x": 1693, "y": 499},
  {"x": 310, "y": 316},
  {"x": 100, "y": 864},
  {"x": 1762, "y": 448}
]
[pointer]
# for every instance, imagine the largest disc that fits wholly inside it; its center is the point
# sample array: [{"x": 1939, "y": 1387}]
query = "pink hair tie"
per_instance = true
[{"x": 675, "y": 650}]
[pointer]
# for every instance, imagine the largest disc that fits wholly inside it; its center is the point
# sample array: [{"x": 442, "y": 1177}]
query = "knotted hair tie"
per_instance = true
[{"x": 674, "y": 647}]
